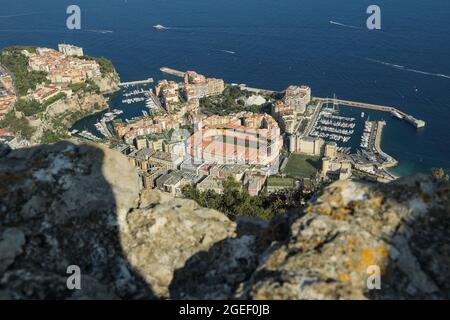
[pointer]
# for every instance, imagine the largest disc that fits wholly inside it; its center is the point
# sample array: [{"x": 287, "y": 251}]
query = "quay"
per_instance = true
[
  {"x": 154, "y": 101},
  {"x": 180, "y": 74},
  {"x": 389, "y": 161},
  {"x": 172, "y": 72},
  {"x": 135, "y": 83},
  {"x": 395, "y": 112}
]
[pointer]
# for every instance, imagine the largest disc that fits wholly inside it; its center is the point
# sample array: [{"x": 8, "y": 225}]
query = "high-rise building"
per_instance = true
[{"x": 297, "y": 98}]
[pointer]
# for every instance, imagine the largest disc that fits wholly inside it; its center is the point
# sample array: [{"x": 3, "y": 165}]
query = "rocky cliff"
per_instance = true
[
  {"x": 67, "y": 204},
  {"x": 109, "y": 83},
  {"x": 62, "y": 114}
]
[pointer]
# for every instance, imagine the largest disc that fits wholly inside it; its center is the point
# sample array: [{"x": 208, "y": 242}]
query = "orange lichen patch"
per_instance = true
[
  {"x": 341, "y": 213},
  {"x": 351, "y": 243},
  {"x": 370, "y": 256},
  {"x": 311, "y": 209},
  {"x": 276, "y": 259},
  {"x": 344, "y": 211},
  {"x": 262, "y": 296},
  {"x": 324, "y": 210},
  {"x": 314, "y": 243},
  {"x": 344, "y": 277}
]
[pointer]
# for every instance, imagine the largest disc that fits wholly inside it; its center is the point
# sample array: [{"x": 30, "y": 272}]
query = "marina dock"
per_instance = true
[
  {"x": 394, "y": 111},
  {"x": 172, "y": 72},
  {"x": 180, "y": 74},
  {"x": 135, "y": 83}
]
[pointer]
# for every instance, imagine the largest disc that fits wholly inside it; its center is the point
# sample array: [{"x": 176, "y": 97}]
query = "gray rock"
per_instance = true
[
  {"x": 68, "y": 204},
  {"x": 11, "y": 245},
  {"x": 353, "y": 226},
  {"x": 163, "y": 236}
]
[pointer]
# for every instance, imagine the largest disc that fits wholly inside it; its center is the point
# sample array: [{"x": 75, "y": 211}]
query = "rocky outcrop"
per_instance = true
[
  {"x": 108, "y": 83},
  {"x": 401, "y": 228},
  {"x": 86, "y": 103},
  {"x": 62, "y": 114},
  {"x": 68, "y": 204}
]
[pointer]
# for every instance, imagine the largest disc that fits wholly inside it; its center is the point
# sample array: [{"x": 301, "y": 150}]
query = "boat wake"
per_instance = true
[
  {"x": 403, "y": 68},
  {"x": 161, "y": 27},
  {"x": 343, "y": 25},
  {"x": 101, "y": 31},
  {"x": 226, "y": 51},
  {"x": 21, "y": 15}
]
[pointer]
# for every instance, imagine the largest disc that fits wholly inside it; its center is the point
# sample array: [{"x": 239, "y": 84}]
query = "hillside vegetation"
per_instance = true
[{"x": 17, "y": 63}]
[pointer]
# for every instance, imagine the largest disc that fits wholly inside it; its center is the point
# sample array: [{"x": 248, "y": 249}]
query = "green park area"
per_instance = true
[
  {"x": 280, "y": 182},
  {"x": 301, "y": 166}
]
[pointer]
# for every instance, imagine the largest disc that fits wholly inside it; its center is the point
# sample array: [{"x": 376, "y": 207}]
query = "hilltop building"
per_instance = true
[
  {"x": 70, "y": 50},
  {"x": 62, "y": 68}
]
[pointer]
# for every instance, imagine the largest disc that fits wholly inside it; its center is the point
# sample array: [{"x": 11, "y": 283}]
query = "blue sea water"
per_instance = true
[{"x": 271, "y": 44}]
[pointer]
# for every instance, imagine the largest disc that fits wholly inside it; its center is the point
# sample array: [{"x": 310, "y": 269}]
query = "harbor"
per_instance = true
[
  {"x": 136, "y": 83},
  {"x": 393, "y": 111},
  {"x": 326, "y": 121}
]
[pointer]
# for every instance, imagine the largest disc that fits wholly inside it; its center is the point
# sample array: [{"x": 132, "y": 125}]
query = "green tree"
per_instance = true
[
  {"x": 440, "y": 174},
  {"x": 17, "y": 63},
  {"x": 17, "y": 125},
  {"x": 236, "y": 201}
]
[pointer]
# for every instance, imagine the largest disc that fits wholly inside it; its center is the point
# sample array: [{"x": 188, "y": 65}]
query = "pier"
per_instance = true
[
  {"x": 135, "y": 83},
  {"x": 180, "y": 74},
  {"x": 395, "y": 112},
  {"x": 154, "y": 102},
  {"x": 173, "y": 72}
]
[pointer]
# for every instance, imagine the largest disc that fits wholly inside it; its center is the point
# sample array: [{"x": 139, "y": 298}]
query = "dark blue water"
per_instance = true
[{"x": 276, "y": 43}]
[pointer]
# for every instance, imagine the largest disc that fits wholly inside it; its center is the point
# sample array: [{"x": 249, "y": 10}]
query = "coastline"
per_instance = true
[{"x": 378, "y": 140}]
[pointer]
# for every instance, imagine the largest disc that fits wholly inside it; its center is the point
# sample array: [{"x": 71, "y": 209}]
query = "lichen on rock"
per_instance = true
[{"x": 80, "y": 204}]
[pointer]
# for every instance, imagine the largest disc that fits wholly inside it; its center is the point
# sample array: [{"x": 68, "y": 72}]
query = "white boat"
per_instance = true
[
  {"x": 362, "y": 114},
  {"x": 159, "y": 27}
]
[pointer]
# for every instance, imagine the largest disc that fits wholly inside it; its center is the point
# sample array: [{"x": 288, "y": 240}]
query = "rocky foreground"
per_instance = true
[{"x": 69, "y": 204}]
